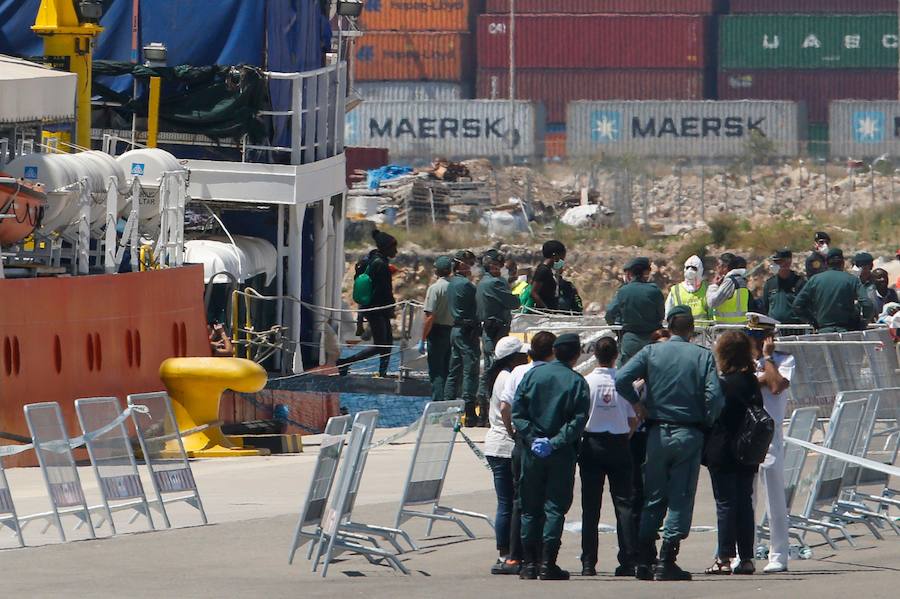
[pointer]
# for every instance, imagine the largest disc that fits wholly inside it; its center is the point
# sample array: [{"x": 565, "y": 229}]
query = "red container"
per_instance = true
[
  {"x": 811, "y": 6},
  {"x": 596, "y": 41},
  {"x": 816, "y": 88},
  {"x": 364, "y": 159},
  {"x": 556, "y": 88},
  {"x": 555, "y": 145},
  {"x": 587, "y": 7}
]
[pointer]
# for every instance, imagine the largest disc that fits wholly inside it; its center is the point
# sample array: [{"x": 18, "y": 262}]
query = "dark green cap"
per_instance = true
[
  {"x": 863, "y": 258},
  {"x": 567, "y": 339},
  {"x": 835, "y": 253},
  {"x": 491, "y": 255},
  {"x": 782, "y": 254},
  {"x": 680, "y": 310},
  {"x": 443, "y": 263},
  {"x": 463, "y": 256},
  {"x": 638, "y": 263}
]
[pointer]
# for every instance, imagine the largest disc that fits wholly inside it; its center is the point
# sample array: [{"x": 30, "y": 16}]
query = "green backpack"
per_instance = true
[
  {"x": 363, "y": 288},
  {"x": 525, "y": 298}
]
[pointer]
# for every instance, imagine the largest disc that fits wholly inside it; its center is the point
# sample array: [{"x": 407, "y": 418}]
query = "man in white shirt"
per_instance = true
[
  {"x": 774, "y": 371},
  {"x": 540, "y": 353},
  {"x": 605, "y": 453}
]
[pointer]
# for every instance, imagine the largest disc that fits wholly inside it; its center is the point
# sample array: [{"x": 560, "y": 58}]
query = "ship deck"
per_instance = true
[{"x": 253, "y": 503}]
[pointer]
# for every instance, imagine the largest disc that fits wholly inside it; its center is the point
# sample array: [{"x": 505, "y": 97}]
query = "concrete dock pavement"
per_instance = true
[{"x": 252, "y": 504}]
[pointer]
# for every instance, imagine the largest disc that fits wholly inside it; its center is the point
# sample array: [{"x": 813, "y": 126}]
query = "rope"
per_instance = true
[
  {"x": 478, "y": 453},
  {"x": 350, "y": 363},
  {"x": 255, "y": 403}
]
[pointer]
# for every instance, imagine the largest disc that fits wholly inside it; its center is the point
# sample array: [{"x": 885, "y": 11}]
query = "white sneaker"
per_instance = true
[{"x": 773, "y": 567}]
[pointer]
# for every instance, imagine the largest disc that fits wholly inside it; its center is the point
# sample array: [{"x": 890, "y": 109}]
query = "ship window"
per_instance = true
[
  {"x": 15, "y": 355},
  {"x": 183, "y": 330},
  {"x": 175, "y": 343},
  {"x": 129, "y": 348},
  {"x": 7, "y": 356},
  {"x": 57, "y": 354},
  {"x": 98, "y": 351},
  {"x": 137, "y": 348},
  {"x": 90, "y": 352}
]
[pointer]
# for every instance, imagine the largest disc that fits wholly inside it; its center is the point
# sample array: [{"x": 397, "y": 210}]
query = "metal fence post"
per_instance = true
[{"x": 702, "y": 193}]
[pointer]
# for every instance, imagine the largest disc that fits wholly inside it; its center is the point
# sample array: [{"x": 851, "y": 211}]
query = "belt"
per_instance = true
[
  {"x": 441, "y": 326},
  {"x": 654, "y": 422},
  {"x": 465, "y": 323}
]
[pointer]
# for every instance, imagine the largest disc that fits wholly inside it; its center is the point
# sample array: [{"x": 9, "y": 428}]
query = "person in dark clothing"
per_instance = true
[
  {"x": 543, "y": 283},
  {"x": 732, "y": 480},
  {"x": 379, "y": 270},
  {"x": 880, "y": 292},
  {"x": 781, "y": 289},
  {"x": 817, "y": 261}
]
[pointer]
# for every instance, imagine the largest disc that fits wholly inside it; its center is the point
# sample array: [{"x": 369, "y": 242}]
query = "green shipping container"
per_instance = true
[
  {"x": 817, "y": 140},
  {"x": 808, "y": 41}
]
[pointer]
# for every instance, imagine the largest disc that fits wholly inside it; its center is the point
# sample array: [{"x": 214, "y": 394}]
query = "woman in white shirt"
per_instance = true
[{"x": 498, "y": 443}]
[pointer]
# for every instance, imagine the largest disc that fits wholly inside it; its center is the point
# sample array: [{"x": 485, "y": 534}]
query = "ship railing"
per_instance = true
[{"x": 316, "y": 115}]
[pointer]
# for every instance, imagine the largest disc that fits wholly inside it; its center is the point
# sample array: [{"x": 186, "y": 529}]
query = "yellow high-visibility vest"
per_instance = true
[
  {"x": 734, "y": 309},
  {"x": 695, "y": 300}
]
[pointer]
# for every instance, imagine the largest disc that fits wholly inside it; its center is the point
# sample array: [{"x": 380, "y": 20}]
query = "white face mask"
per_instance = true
[
  {"x": 823, "y": 248},
  {"x": 477, "y": 271},
  {"x": 855, "y": 270},
  {"x": 774, "y": 268},
  {"x": 504, "y": 273}
]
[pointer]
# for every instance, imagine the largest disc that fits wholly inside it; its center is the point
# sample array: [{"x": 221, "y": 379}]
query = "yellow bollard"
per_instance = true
[{"x": 195, "y": 386}]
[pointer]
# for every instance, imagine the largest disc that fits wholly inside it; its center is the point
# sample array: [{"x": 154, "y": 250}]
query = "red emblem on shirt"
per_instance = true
[{"x": 607, "y": 398}]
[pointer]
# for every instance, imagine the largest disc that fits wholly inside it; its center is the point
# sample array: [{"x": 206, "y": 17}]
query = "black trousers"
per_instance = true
[
  {"x": 606, "y": 456},
  {"x": 638, "y": 447},
  {"x": 733, "y": 491},
  {"x": 382, "y": 339},
  {"x": 515, "y": 524}
]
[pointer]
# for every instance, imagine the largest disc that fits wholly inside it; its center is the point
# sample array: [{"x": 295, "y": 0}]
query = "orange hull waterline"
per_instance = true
[
  {"x": 21, "y": 207},
  {"x": 70, "y": 337}
]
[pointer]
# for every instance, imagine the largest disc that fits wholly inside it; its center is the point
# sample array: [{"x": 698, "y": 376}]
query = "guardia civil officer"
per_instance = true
[
  {"x": 683, "y": 398},
  {"x": 494, "y": 303},
  {"x": 834, "y": 301},
  {"x": 817, "y": 260},
  {"x": 462, "y": 377},
  {"x": 639, "y": 306},
  {"x": 437, "y": 326},
  {"x": 781, "y": 289},
  {"x": 549, "y": 412}
]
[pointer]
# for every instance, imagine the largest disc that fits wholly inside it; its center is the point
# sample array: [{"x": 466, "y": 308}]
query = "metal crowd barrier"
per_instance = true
[{"x": 8, "y": 515}]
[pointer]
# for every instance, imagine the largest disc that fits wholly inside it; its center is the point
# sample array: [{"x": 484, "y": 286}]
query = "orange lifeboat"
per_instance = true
[{"x": 21, "y": 208}]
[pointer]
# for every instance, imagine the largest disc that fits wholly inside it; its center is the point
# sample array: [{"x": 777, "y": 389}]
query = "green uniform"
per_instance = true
[
  {"x": 640, "y": 308},
  {"x": 778, "y": 298},
  {"x": 552, "y": 401},
  {"x": 462, "y": 377},
  {"x": 438, "y": 305},
  {"x": 494, "y": 302},
  {"x": 834, "y": 301},
  {"x": 683, "y": 396}
]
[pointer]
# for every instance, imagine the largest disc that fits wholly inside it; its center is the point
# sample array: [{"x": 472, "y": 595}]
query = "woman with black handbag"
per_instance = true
[{"x": 732, "y": 479}]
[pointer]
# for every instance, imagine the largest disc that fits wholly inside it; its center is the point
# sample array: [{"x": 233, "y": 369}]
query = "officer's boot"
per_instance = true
[
  {"x": 646, "y": 559},
  {"x": 667, "y": 568},
  {"x": 549, "y": 569},
  {"x": 483, "y": 411},
  {"x": 529, "y": 570},
  {"x": 471, "y": 417}
]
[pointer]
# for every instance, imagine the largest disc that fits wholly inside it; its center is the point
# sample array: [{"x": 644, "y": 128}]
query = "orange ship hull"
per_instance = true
[{"x": 70, "y": 337}]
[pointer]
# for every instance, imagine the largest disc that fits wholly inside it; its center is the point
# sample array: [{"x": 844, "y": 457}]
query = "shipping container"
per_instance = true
[
  {"x": 595, "y": 41},
  {"x": 414, "y": 56},
  {"x": 555, "y": 145},
  {"x": 811, "y": 6},
  {"x": 680, "y": 129},
  {"x": 586, "y": 7},
  {"x": 555, "y": 88},
  {"x": 864, "y": 129},
  {"x": 420, "y": 15},
  {"x": 403, "y": 91},
  {"x": 808, "y": 41},
  {"x": 816, "y": 88},
  {"x": 817, "y": 140},
  {"x": 456, "y": 130}
]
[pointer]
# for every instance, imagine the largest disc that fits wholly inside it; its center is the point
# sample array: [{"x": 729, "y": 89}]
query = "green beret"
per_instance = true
[
  {"x": 863, "y": 258},
  {"x": 835, "y": 253},
  {"x": 638, "y": 263},
  {"x": 443, "y": 263},
  {"x": 680, "y": 310},
  {"x": 567, "y": 339}
]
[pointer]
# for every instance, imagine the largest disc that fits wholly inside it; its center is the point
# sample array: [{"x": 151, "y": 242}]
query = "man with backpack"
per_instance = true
[{"x": 374, "y": 293}]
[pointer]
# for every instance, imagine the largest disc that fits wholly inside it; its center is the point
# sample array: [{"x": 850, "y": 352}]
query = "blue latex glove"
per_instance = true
[
  {"x": 422, "y": 347},
  {"x": 541, "y": 447}
]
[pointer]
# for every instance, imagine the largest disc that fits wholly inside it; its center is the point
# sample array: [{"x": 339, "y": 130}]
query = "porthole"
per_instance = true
[
  {"x": 183, "y": 330},
  {"x": 7, "y": 356},
  {"x": 90, "y": 352},
  {"x": 137, "y": 348},
  {"x": 129, "y": 348},
  {"x": 16, "y": 363},
  {"x": 98, "y": 352},
  {"x": 57, "y": 354},
  {"x": 176, "y": 343}
]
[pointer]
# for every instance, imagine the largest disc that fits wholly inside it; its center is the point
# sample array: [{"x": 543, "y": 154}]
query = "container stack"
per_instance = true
[
  {"x": 767, "y": 51},
  {"x": 420, "y": 50},
  {"x": 569, "y": 50}
]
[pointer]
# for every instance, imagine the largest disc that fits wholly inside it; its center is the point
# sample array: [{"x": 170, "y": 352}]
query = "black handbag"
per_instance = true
[{"x": 751, "y": 444}]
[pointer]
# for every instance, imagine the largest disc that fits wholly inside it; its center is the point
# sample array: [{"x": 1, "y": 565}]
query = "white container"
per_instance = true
[
  {"x": 858, "y": 129},
  {"x": 454, "y": 130},
  {"x": 410, "y": 91},
  {"x": 705, "y": 129},
  {"x": 148, "y": 165}
]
